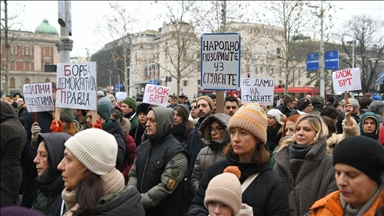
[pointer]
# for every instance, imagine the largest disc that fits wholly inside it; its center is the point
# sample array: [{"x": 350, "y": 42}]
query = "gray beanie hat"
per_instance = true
[
  {"x": 96, "y": 149},
  {"x": 185, "y": 107}
]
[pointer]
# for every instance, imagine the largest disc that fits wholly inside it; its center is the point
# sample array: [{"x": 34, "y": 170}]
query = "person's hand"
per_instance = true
[
  {"x": 35, "y": 130},
  {"x": 55, "y": 128},
  {"x": 97, "y": 125},
  {"x": 348, "y": 109}
]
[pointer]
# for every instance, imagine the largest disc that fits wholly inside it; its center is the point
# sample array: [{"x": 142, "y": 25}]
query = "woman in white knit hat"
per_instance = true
[
  {"x": 263, "y": 189},
  {"x": 92, "y": 184},
  {"x": 274, "y": 130}
]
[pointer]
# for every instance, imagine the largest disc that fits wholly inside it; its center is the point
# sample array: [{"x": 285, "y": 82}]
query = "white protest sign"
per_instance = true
[
  {"x": 220, "y": 61},
  {"x": 121, "y": 95},
  {"x": 76, "y": 86},
  {"x": 346, "y": 80},
  {"x": 157, "y": 95},
  {"x": 258, "y": 90},
  {"x": 38, "y": 97}
]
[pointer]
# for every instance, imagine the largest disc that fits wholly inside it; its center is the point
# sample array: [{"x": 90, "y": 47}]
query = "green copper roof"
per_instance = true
[{"x": 45, "y": 28}]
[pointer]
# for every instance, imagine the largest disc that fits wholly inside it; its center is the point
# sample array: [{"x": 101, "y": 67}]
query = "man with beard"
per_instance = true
[
  {"x": 231, "y": 105},
  {"x": 205, "y": 107},
  {"x": 128, "y": 109}
]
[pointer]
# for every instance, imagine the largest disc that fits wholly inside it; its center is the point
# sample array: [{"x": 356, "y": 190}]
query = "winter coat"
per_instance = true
[
  {"x": 331, "y": 205},
  {"x": 340, "y": 120},
  {"x": 315, "y": 176},
  {"x": 194, "y": 145},
  {"x": 50, "y": 184},
  {"x": 178, "y": 132},
  {"x": 347, "y": 132},
  {"x": 273, "y": 137},
  {"x": 134, "y": 123},
  {"x": 12, "y": 140},
  {"x": 284, "y": 109},
  {"x": 22, "y": 114},
  {"x": 44, "y": 119},
  {"x": 137, "y": 134},
  {"x": 212, "y": 152},
  {"x": 266, "y": 194},
  {"x": 159, "y": 168},
  {"x": 130, "y": 154},
  {"x": 116, "y": 130}
]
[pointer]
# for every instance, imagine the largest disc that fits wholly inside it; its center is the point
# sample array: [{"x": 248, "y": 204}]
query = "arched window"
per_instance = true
[
  {"x": 47, "y": 80},
  {"x": 26, "y": 81},
  {"x": 12, "y": 83}
]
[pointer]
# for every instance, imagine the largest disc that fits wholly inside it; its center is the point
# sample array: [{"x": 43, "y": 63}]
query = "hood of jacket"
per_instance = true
[
  {"x": 125, "y": 125},
  {"x": 164, "y": 121},
  {"x": 361, "y": 125},
  {"x": 54, "y": 143},
  {"x": 7, "y": 112},
  {"x": 223, "y": 120}
]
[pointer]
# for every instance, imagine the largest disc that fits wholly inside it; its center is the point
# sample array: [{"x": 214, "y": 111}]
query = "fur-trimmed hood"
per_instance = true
[{"x": 223, "y": 120}]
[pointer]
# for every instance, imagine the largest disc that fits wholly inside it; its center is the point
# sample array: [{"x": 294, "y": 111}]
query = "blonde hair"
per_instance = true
[{"x": 317, "y": 124}]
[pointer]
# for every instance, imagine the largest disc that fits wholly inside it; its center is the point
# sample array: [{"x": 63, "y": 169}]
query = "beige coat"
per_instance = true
[{"x": 347, "y": 132}]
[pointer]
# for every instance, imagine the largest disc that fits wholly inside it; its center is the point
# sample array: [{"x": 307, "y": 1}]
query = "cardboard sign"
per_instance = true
[
  {"x": 258, "y": 90},
  {"x": 220, "y": 61},
  {"x": 157, "y": 95},
  {"x": 121, "y": 95},
  {"x": 76, "y": 86},
  {"x": 346, "y": 80},
  {"x": 38, "y": 97}
]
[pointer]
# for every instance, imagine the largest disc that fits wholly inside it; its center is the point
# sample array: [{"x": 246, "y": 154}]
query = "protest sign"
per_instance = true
[
  {"x": 38, "y": 97},
  {"x": 76, "y": 86},
  {"x": 220, "y": 61},
  {"x": 121, "y": 95},
  {"x": 157, "y": 95},
  {"x": 346, "y": 80},
  {"x": 258, "y": 90}
]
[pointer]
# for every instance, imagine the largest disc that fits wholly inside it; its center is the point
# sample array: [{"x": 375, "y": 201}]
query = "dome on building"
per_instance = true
[{"x": 45, "y": 28}]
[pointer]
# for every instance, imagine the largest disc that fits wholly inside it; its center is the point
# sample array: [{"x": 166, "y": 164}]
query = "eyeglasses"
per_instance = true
[{"x": 217, "y": 130}]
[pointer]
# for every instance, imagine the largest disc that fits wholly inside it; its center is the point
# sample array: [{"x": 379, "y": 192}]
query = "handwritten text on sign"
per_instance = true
[
  {"x": 258, "y": 90},
  {"x": 346, "y": 80},
  {"x": 157, "y": 95},
  {"x": 220, "y": 61},
  {"x": 38, "y": 97},
  {"x": 76, "y": 86}
]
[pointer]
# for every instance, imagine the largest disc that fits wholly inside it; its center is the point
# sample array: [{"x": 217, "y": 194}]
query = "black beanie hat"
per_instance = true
[{"x": 363, "y": 153}]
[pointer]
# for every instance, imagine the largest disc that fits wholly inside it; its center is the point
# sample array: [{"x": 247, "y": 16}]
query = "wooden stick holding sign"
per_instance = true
[
  {"x": 57, "y": 116},
  {"x": 346, "y": 96},
  {"x": 94, "y": 116}
]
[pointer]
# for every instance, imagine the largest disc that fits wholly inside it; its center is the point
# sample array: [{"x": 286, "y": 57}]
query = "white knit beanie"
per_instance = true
[
  {"x": 224, "y": 188},
  {"x": 96, "y": 149},
  {"x": 275, "y": 113}
]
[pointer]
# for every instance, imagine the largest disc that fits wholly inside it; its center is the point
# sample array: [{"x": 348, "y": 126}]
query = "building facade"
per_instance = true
[{"x": 29, "y": 53}]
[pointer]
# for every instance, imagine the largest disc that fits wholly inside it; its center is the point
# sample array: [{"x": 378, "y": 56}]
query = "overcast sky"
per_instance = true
[{"x": 86, "y": 15}]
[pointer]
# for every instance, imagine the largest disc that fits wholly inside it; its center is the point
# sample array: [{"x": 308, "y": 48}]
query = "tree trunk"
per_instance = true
[{"x": 7, "y": 47}]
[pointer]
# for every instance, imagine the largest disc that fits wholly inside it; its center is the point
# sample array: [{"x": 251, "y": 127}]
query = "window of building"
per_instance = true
[
  {"x": 47, "y": 80},
  {"x": 46, "y": 51},
  {"x": 27, "y": 66},
  {"x": 26, "y": 81},
  {"x": 12, "y": 83},
  {"x": 198, "y": 82},
  {"x": 12, "y": 65},
  {"x": 185, "y": 83},
  {"x": 280, "y": 82},
  {"x": 261, "y": 70}
]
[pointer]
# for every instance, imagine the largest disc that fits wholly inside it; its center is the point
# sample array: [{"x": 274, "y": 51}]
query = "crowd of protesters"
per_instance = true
[{"x": 302, "y": 156}]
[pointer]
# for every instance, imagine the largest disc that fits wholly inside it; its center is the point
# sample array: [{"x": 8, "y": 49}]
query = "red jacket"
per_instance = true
[
  {"x": 129, "y": 156},
  {"x": 331, "y": 205}
]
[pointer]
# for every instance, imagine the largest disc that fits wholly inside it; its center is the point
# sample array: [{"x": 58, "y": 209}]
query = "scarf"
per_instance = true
[
  {"x": 107, "y": 125},
  {"x": 350, "y": 211},
  {"x": 298, "y": 151},
  {"x": 113, "y": 183}
]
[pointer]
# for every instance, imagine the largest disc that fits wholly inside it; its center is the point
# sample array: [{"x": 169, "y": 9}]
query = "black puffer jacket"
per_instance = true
[
  {"x": 50, "y": 184},
  {"x": 13, "y": 137},
  {"x": 127, "y": 201},
  {"x": 266, "y": 194},
  {"x": 212, "y": 152},
  {"x": 117, "y": 131}
]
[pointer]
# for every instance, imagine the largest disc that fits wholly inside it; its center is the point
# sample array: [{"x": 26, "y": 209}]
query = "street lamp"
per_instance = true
[
  {"x": 353, "y": 52},
  {"x": 321, "y": 57}
]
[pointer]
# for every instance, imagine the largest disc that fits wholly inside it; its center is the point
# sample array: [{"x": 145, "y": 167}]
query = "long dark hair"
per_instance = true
[
  {"x": 188, "y": 124},
  {"x": 89, "y": 191}
]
